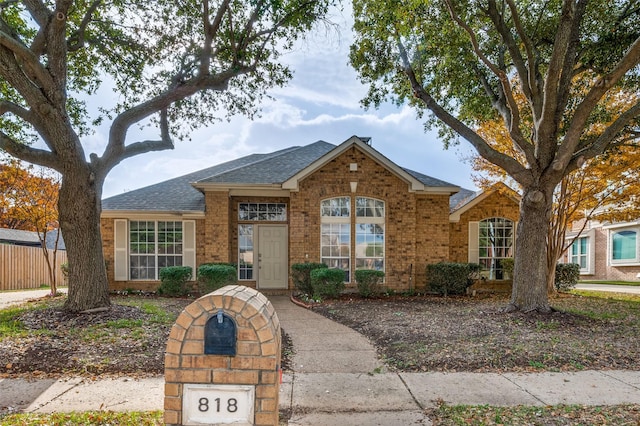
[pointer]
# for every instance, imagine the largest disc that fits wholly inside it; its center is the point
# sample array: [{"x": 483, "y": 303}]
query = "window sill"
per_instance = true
[{"x": 633, "y": 263}]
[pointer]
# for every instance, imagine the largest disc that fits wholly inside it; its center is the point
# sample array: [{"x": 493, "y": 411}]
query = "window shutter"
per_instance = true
[
  {"x": 120, "y": 243},
  {"x": 189, "y": 245},
  {"x": 474, "y": 236}
]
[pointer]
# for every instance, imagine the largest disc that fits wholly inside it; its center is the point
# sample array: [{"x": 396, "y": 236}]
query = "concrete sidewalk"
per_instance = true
[
  {"x": 338, "y": 380},
  {"x": 344, "y": 398}
]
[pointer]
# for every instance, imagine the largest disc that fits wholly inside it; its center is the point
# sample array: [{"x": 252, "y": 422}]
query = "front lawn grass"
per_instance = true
[{"x": 112, "y": 418}]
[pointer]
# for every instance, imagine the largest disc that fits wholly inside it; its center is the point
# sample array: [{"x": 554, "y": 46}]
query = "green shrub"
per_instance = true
[
  {"x": 173, "y": 280},
  {"x": 507, "y": 266},
  {"x": 301, "y": 275},
  {"x": 327, "y": 282},
  {"x": 212, "y": 276},
  {"x": 567, "y": 275},
  {"x": 369, "y": 281},
  {"x": 451, "y": 278}
]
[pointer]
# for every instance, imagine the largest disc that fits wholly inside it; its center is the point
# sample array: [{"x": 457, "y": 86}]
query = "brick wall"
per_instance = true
[
  {"x": 107, "y": 230},
  {"x": 256, "y": 362},
  {"x": 216, "y": 233},
  {"x": 603, "y": 270},
  {"x": 416, "y": 225}
]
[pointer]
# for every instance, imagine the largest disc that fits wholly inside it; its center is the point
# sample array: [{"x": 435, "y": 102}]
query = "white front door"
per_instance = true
[{"x": 273, "y": 264}]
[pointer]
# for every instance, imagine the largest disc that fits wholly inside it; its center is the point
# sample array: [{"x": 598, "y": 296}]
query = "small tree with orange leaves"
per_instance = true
[
  {"x": 605, "y": 188},
  {"x": 29, "y": 201}
]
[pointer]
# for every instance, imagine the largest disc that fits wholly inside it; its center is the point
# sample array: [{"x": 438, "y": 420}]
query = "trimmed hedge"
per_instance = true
[
  {"x": 301, "y": 275},
  {"x": 567, "y": 275},
  {"x": 212, "y": 276},
  {"x": 451, "y": 278},
  {"x": 369, "y": 281},
  {"x": 173, "y": 280},
  {"x": 327, "y": 282}
]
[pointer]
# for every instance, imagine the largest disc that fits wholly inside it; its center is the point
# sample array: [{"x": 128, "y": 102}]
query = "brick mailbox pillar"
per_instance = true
[{"x": 222, "y": 361}]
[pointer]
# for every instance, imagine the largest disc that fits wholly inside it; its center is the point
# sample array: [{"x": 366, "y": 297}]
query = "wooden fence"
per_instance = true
[{"x": 25, "y": 267}]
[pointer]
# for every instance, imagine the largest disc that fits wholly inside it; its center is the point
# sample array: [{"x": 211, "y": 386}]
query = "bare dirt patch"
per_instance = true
[
  {"x": 128, "y": 339},
  {"x": 471, "y": 334}
]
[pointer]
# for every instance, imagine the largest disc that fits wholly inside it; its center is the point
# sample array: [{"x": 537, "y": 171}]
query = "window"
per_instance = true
[
  {"x": 254, "y": 212},
  {"x": 245, "y": 252},
  {"x": 369, "y": 234},
  {"x": 270, "y": 212},
  {"x": 495, "y": 243},
  {"x": 152, "y": 246},
  {"x": 335, "y": 234},
  {"x": 580, "y": 253},
  {"x": 623, "y": 246}
]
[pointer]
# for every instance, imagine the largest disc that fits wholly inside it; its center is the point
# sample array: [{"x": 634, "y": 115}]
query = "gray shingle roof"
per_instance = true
[
  {"x": 275, "y": 169},
  {"x": 30, "y": 238},
  {"x": 460, "y": 199},
  {"x": 178, "y": 194}
]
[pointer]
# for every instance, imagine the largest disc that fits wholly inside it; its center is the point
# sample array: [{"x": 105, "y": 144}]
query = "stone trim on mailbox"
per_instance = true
[{"x": 257, "y": 359}]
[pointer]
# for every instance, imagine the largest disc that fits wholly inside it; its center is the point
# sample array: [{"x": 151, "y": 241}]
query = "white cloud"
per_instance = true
[{"x": 322, "y": 102}]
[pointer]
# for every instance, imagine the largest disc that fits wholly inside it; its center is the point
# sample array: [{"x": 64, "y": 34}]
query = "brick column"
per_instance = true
[{"x": 257, "y": 358}]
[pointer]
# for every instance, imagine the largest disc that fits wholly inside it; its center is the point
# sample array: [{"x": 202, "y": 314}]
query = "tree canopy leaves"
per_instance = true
[{"x": 470, "y": 61}]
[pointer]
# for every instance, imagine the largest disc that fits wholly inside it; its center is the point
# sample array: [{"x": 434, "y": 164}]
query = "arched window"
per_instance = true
[{"x": 495, "y": 242}]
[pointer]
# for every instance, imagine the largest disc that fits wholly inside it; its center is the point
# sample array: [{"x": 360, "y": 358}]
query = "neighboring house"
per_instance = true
[
  {"x": 605, "y": 251},
  {"x": 29, "y": 238},
  {"x": 347, "y": 206}
]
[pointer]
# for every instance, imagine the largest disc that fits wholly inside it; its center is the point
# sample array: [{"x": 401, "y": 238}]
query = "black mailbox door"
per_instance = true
[{"x": 220, "y": 335}]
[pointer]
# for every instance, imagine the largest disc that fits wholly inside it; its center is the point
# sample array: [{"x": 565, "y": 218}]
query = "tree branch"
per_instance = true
[
  {"x": 509, "y": 164},
  {"x": 29, "y": 154},
  {"x": 77, "y": 39},
  {"x": 585, "y": 108},
  {"x": 602, "y": 142},
  {"x": 509, "y": 110},
  {"x": 527, "y": 80},
  {"x": 37, "y": 73},
  {"x": 40, "y": 14},
  {"x": 552, "y": 82}
]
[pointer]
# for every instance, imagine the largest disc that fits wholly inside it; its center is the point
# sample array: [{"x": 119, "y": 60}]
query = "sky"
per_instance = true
[{"x": 321, "y": 102}]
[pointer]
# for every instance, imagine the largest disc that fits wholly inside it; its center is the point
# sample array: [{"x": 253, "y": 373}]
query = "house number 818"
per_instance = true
[{"x": 203, "y": 405}]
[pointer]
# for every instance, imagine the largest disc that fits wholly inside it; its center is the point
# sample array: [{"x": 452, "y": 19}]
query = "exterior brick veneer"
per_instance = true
[
  {"x": 256, "y": 362},
  {"x": 495, "y": 205}
]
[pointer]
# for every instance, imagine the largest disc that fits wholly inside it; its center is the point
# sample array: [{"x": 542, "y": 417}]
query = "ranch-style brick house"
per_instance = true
[{"x": 347, "y": 206}]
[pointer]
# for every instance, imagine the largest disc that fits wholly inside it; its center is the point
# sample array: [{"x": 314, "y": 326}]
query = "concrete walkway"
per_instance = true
[
  {"x": 338, "y": 380},
  {"x": 9, "y": 298},
  {"x": 630, "y": 289}
]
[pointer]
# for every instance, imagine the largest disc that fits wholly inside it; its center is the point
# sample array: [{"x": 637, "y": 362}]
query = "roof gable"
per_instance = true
[
  {"x": 278, "y": 171},
  {"x": 466, "y": 199},
  {"x": 415, "y": 180}
]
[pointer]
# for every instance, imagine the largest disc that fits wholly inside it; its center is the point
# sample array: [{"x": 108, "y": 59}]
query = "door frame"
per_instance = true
[{"x": 285, "y": 264}]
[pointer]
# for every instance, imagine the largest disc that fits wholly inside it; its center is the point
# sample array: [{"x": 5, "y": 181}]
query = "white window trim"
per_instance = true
[
  {"x": 121, "y": 246},
  {"x": 611, "y": 230},
  {"x": 591, "y": 250}
]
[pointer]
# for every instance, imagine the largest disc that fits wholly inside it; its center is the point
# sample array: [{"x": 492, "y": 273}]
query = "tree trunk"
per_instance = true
[
  {"x": 530, "y": 264},
  {"x": 79, "y": 207}
]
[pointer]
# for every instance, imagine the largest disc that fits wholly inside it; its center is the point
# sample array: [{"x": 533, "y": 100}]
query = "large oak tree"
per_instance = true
[
  {"x": 606, "y": 189},
  {"x": 179, "y": 64},
  {"x": 466, "y": 61}
]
